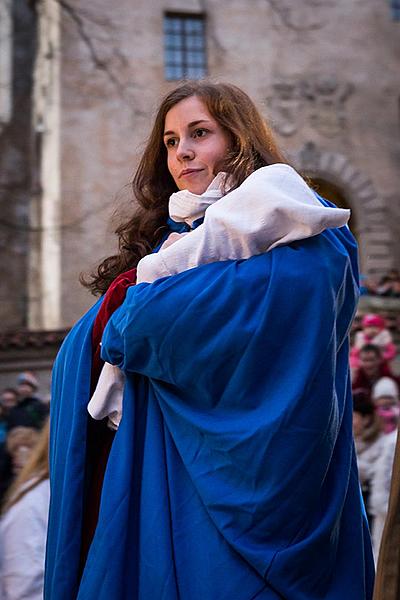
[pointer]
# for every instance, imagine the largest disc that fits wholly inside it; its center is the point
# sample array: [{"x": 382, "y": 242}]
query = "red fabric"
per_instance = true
[
  {"x": 113, "y": 298},
  {"x": 99, "y": 436}
]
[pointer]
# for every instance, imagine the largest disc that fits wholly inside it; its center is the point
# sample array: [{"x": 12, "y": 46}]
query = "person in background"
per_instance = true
[
  {"x": 23, "y": 527},
  {"x": 365, "y": 288},
  {"x": 19, "y": 444},
  {"x": 368, "y": 442},
  {"x": 385, "y": 396},
  {"x": 371, "y": 369},
  {"x": 374, "y": 332},
  {"x": 387, "y": 583},
  {"x": 8, "y": 399},
  {"x": 27, "y": 384},
  {"x": 30, "y": 411},
  {"x": 389, "y": 285},
  {"x": 3, "y": 428},
  {"x": 380, "y": 488},
  {"x": 356, "y": 324}
]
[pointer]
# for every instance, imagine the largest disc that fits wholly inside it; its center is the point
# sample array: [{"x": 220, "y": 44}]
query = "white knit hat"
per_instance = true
[{"x": 385, "y": 387}]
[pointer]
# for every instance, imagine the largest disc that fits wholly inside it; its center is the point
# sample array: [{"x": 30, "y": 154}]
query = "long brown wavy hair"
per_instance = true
[
  {"x": 34, "y": 472},
  {"x": 252, "y": 146}
]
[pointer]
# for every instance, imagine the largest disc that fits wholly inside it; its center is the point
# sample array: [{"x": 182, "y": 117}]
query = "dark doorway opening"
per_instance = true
[{"x": 334, "y": 194}]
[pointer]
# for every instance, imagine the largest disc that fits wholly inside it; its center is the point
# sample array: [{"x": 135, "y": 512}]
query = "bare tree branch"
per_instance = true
[{"x": 100, "y": 64}]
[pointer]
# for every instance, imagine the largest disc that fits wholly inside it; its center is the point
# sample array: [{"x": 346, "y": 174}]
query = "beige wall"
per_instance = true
[{"x": 327, "y": 75}]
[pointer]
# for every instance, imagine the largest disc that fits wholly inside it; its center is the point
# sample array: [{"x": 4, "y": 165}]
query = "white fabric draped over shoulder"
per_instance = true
[{"x": 272, "y": 207}]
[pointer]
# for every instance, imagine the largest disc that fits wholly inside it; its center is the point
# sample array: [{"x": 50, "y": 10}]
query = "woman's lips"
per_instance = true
[{"x": 190, "y": 172}]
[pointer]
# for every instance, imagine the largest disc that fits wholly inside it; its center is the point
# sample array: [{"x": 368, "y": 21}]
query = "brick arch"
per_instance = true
[{"x": 375, "y": 237}]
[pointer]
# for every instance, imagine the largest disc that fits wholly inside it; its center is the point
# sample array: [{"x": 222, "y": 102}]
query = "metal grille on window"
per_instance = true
[{"x": 185, "y": 52}]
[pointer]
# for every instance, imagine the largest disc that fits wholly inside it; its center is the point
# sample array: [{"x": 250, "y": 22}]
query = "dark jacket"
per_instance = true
[{"x": 30, "y": 412}]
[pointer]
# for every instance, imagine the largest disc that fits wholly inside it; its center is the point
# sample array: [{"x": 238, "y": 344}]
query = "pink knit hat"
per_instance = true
[{"x": 373, "y": 320}]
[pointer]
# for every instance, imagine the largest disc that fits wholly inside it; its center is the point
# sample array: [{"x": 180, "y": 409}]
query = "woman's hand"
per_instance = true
[{"x": 171, "y": 239}]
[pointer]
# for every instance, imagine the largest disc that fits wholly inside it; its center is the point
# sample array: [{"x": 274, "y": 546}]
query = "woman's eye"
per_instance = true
[
  {"x": 170, "y": 143},
  {"x": 200, "y": 132}
]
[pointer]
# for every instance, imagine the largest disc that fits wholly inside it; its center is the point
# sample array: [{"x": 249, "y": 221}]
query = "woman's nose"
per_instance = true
[{"x": 184, "y": 151}]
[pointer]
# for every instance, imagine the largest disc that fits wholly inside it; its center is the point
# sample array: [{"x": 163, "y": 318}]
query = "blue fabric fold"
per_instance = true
[
  {"x": 175, "y": 227},
  {"x": 233, "y": 472}
]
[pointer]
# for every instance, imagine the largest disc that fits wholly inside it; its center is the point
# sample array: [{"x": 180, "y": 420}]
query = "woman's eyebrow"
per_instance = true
[{"x": 191, "y": 124}]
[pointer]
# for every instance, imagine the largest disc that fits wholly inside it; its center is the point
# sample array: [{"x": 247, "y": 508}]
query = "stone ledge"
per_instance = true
[
  {"x": 379, "y": 304},
  {"x": 31, "y": 339}
]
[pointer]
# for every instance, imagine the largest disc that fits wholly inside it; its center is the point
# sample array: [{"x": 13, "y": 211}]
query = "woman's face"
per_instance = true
[{"x": 196, "y": 145}]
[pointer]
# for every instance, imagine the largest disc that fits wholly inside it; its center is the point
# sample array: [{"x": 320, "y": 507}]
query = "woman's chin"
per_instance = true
[{"x": 196, "y": 188}]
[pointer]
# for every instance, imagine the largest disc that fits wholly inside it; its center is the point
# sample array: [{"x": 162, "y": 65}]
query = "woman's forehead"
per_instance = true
[{"x": 187, "y": 112}]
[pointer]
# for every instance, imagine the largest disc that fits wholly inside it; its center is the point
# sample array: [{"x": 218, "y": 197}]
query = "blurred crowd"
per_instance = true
[
  {"x": 24, "y": 488},
  {"x": 387, "y": 286},
  {"x": 376, "y": 411},
  {"x": 24, "y": 444}
]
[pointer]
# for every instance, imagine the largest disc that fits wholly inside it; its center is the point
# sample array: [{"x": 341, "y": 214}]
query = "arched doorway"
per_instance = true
[{"x": 336, "y": 178}]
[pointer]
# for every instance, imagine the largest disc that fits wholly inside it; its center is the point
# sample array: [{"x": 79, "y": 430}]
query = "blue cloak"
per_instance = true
[{"x": 233, "y": 474}]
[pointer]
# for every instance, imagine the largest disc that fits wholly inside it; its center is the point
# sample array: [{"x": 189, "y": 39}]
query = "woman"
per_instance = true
[
  {"x": 368, "y": 442},
  {"x": 232, "y": 473},
  {"x": 23, "y": 527},
  {"x": 19, "y": 444},
  {"x": 385, "y": 396},
  {"x": 387, "y": 584},
  {"x": 380, "y": 490}
]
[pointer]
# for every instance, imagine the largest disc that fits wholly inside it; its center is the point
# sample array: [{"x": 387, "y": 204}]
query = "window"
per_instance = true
[
  {"x": 185, "y": 53},
  {"x": 395, "y": 6}
]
